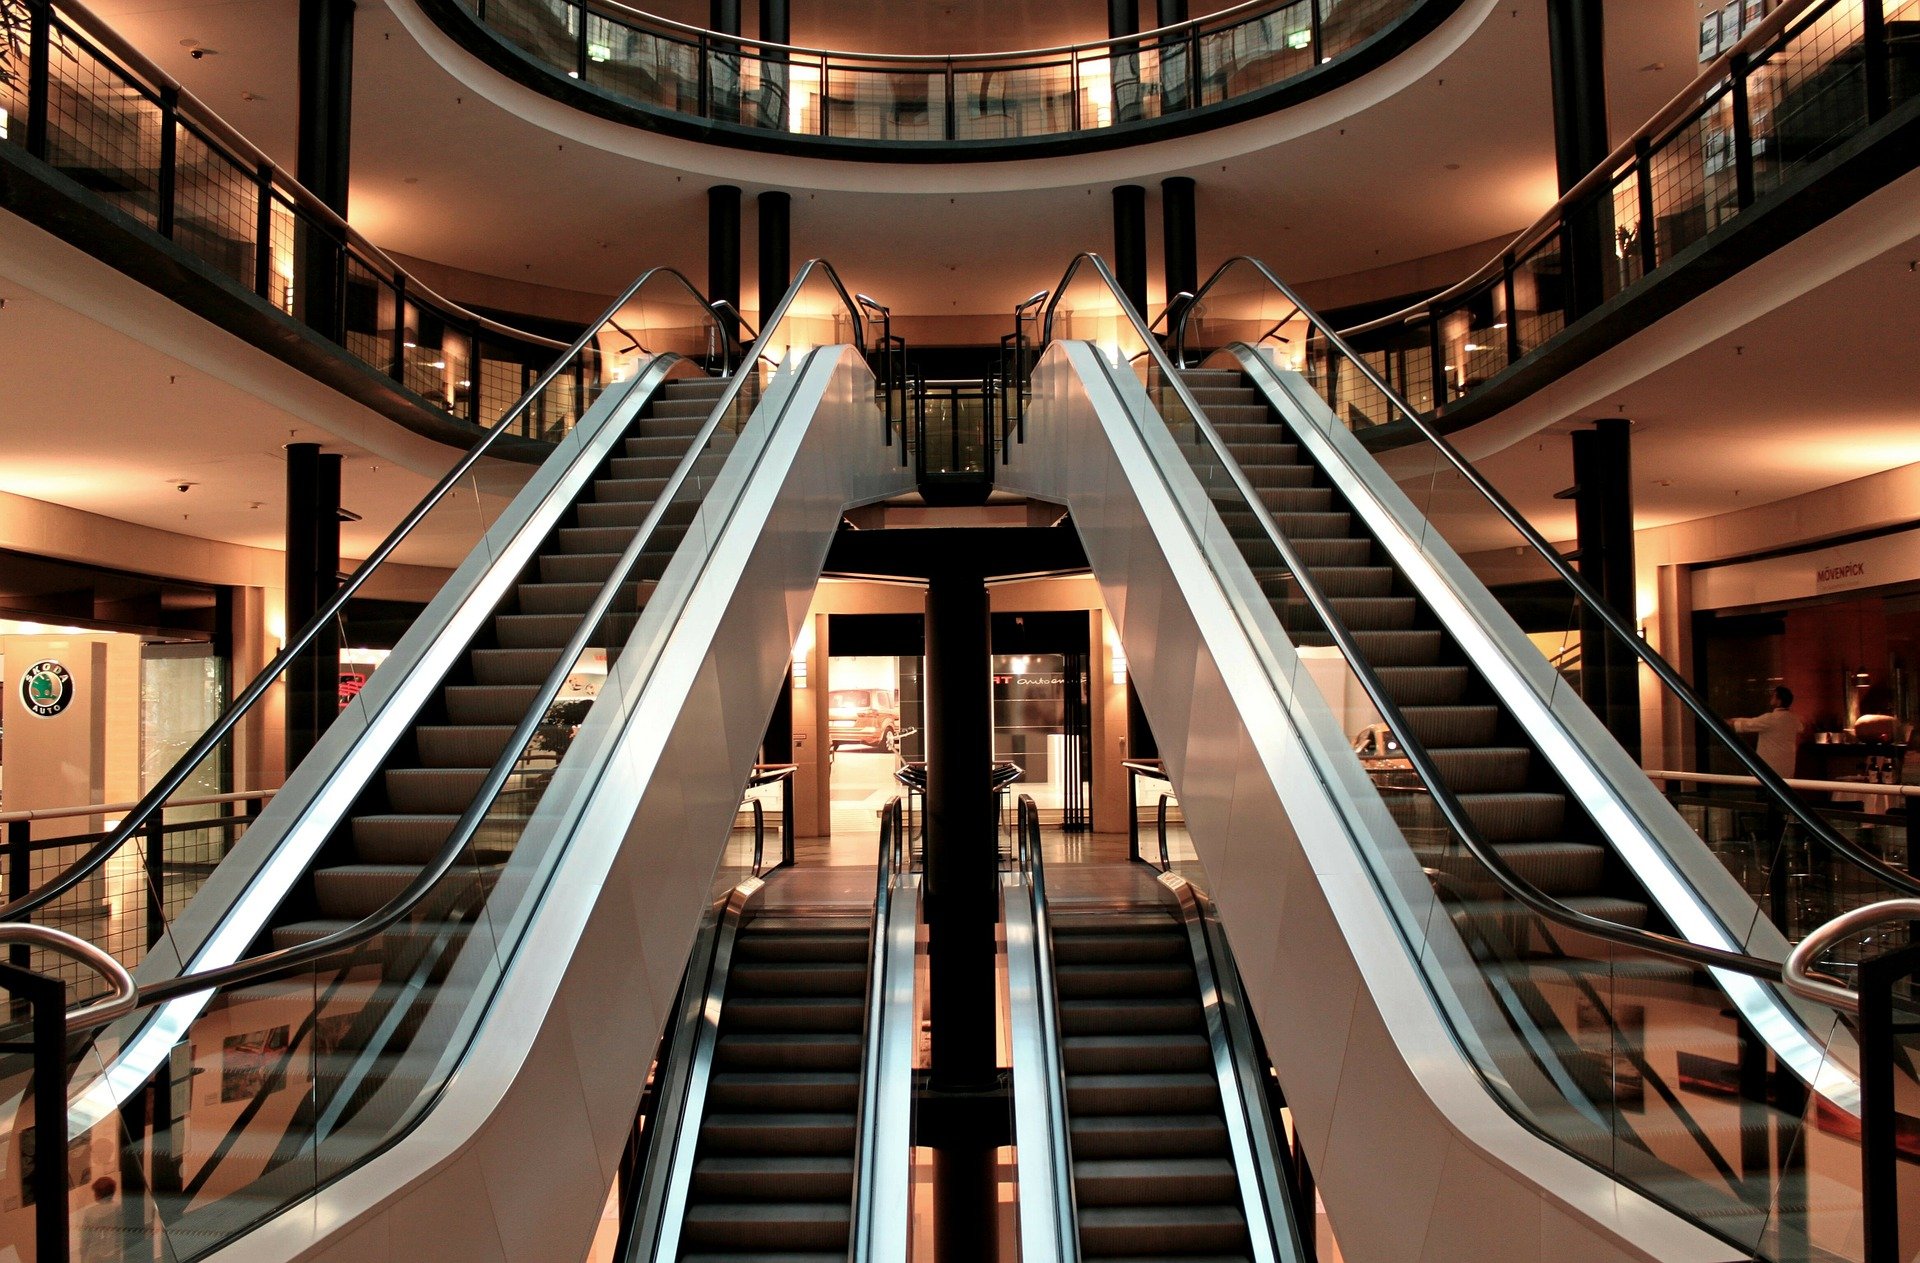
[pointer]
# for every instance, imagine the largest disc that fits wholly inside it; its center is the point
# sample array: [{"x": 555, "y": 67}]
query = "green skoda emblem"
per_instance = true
[{"x": 46, "y": 688}]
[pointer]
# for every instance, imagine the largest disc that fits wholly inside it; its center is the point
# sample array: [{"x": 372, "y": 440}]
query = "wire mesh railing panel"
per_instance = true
[
  {"x": 216, "y": 207},
  {"x": 103, "y": 131}
]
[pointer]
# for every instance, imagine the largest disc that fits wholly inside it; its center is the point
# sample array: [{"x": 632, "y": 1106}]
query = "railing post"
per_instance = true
[
  {"x": 263, "y": 236},
  {"x": 1742, "y": 135},
  {"x": 1873, "y": 50},
  {"x": 580, "y": 47},
  {"x": 1649, "y": 230},
  {"x": 1133, "y": 815},
  {"x": 1434, "y": 348},
  {"x": 167, "y": 183},
  {"x": 473, "y": 374},
  {"x": 1193, "y": 68},
  {"x": 47, "y": 1182},
  {"x": 788, "y": 825},
  {"x": 397, "y": 350},
  {"x": 1073, "y": 93},
  {"x": 1166, "y": 860},
  {"x": 1879, "y": 1123},
  {"x": 759, "y": 834},
  {"x": 953, "y": 130},
  {"x": 704, "y": 94},
  {"x": 39, "y": 75},
  {"x": 156, "y": 839},
  {"x": 19, "y": 879},
  {"x": 1508, "y": 266},
  {"x": 826, "y": 114}
]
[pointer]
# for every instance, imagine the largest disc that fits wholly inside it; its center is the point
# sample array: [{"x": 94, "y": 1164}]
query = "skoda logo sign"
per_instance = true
[{"x": 46, "y": 688}]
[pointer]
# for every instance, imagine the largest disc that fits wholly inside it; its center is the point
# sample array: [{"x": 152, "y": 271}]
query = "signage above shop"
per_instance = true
[
  {"x": 46, "y": 688},
  {"x": 1868, "y": 563}
]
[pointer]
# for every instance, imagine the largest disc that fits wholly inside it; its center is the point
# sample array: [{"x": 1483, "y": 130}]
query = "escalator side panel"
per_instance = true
[
  {"x": 1281, "y": 812},
  {"x": 526, "y": 1138}
]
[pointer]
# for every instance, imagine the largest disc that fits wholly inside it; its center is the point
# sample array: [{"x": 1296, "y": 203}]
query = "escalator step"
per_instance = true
[
  {"x": 798, "y": 978},
  {"x": 1334, "y": 552},
  {"x": 1383, "y": 648},
  {"x": 1132, "y": 1231},
  {"x": 1478, "y": 769},
  {"x": 631, "y": 515},
  {"x": 1118, "y": 1016},
  {"x": 464, "y": 745},
  {"x": 1278, "y": 474},
  {"x": 574, "y": 598},
  {"x": 627, "y": 490},
  {"x": 1124, "y": 1054},
  {"x": 512, "y": 666},
  {"x": 1240, "y": 415},
  {"x": 1628, "y": 912},
  {"x": 1296, "y": 499},
  {"x": 353, "y": 892},
  {"x": 787, "y": 1091},
  {"x": 812, "y": 1013},
  {"x": 594, "y": 568},
  {"x": 777, "y": 1134},
  {"x": 1555, "y": 868},
  {"x": 1333, "y": 581},
  {"x": 773, "y": 1179},
  {"x": 552, "y": 631},
  {"x": 401, "y": 839},
  {"x": 1516, "y": 816},
  {"x": 1082, "y": 981},
  {"x": 658, "y": 468},
  {"x": 1359, "y": 613},
  {"x": 801, "y": 946},
  {"x": 1138, "y": 1136},
  {"x": 433, "y": 790},
  {"x": 789, "y": 1052},
  {"x": 1155, "y": 1182},
  {"x": 488, "y": 703},
  {"x": 1440, "y": 726},
  {"x": 1103, "y": 1095},
  {"x": 1071, "y": 948},
  {"x": 753, "y": 1227},
  {"x": 1423, "y": 686}
]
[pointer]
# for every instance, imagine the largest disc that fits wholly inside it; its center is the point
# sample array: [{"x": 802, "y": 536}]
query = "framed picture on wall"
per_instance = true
[
  {"x": 1751, "y": 15},
  {"x": 1732, "y": 23},
  {"x": 1710, "y": 36}
]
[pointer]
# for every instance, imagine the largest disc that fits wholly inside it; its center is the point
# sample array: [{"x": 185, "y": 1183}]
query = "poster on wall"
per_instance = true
[
  {"x": 1710, "y": 36},
  {"x": 247, "y": 1062}
]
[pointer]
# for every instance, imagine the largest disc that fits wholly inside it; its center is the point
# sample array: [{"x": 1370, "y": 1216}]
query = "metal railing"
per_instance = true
[
  {"x": 881, "y": 1226},
  {"x": 1049, "y": 1218},
  {"x": 178, "y": 853},
  {"x": 78, "y": 97},
  {"x": 890, "y": 99},
  {"x": 1798, "y": 84},
  {"x": 137, "y": 821}
]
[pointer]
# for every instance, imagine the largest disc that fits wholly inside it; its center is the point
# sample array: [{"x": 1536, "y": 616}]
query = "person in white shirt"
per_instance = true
[{"x": 1778, "y": 732}]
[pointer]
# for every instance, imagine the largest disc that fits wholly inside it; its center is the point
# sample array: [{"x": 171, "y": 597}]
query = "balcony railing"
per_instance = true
[
  {"x": 988, "y": 100},
  {"x": 1799, "y": 83},
  {"x": 76, "y": 97}
]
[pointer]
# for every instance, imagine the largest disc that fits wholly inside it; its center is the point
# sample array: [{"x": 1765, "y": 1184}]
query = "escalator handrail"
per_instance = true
[
  {"x": 1455, "y": 815},
  {"x": 1249, "y": 1122},
  {"x": 1053, "y": 1073},
  {"x": 1771, "y": 781},
  {"x": 1802, "y": 980},
  {"x": 163, "y": 789},
  {"x": 671, "y": 1153},
  {"x": 276, "y": 962},
  {"x": 868, "y": 1161}
]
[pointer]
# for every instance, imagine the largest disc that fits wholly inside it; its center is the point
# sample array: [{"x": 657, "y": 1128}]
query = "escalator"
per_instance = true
[
  {"x": 783, "y": 1137},
  {"x": 1140, "y": 1093},
  {"x": 1575, "y": 946},
  {"x": 509, "y": 831}
]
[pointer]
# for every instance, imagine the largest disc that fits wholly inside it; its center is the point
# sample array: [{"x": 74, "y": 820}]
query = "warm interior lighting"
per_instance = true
[{"x": 802, "y": 650}]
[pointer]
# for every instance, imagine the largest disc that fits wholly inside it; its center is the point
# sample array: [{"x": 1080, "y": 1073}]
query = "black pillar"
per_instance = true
[
  {"x": 1603, "y": 516},
  {"x": 776, "y": 24},
  {"x": 776, "y": 250},
  {"x": 1576, "y": 46},
  {"x": 313, "y": 564},
  {"x": 962, "y": 907},
  {"x": 322, "y": 155},
  {"x": 1130, "y": 243},
  {"x": 1176, "y": 70},
  {"x": 1123, "y": 18},
  {"x": 723, "y": 249},
  {"x": 1171, "y": 12},
  {"x": 1180, "y": 242},
  {"x": 724, "y": 16},
  {"x": 325, "y": 99}
]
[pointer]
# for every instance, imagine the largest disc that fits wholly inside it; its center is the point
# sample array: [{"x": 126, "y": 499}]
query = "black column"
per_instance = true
[
  {"x": 1576, "y": 46},
  {"x": 1130, "y": 243},
  {"x": 1176, "y": 74},
  {"x": 776, "y": 250},
  {"x": 723, "y": 248},
  {"x": 962, "y": 907},
  {"x": 313, "y": 564},
  {"x": 1180, "y": 242},
  {"x": 724, "y": 16},
  {"x": 1603, "y": 516},
  {"x": 1123, "y": 18},
  {"x": 322, "y": 154},
  {"x": 776, "y": 24},
  {"x": 775, "y": 81}
]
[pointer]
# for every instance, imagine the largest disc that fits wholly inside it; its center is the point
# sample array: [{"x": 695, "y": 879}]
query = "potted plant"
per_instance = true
[{"x": 16, "y": 28}]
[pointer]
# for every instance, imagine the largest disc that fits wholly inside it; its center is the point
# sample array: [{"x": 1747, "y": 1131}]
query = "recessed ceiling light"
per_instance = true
[{"x": 1453, "y": 166}]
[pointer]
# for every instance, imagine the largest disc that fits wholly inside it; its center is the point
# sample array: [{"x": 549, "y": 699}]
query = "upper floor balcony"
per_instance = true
[{"x": 655, "y": 73}]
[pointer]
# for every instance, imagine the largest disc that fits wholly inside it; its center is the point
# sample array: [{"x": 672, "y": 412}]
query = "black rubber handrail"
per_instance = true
[
  {"x": 275, "y": 963},
  {"x": 1770, "y": 780},
  {"x": 177, "y": 775},
  {"x": 1456, "y": 817}
]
